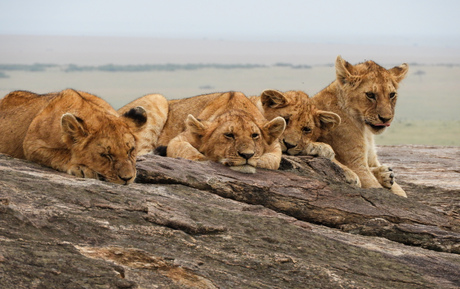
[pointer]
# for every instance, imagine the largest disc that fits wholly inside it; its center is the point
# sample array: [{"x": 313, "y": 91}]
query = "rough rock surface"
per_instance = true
[{"x": 201, "y": 225}]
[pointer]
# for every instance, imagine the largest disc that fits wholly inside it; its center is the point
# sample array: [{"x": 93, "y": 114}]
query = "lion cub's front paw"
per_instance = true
[
  {"x": 320, "y": 149},
  {"x": 82, "y": 172},
  {"x": 384, "y": 175},
  {"x": 351, "y": 178}
]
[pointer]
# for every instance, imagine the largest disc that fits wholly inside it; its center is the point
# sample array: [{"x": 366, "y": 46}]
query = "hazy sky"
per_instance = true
[{"x": 267, "y": 20}]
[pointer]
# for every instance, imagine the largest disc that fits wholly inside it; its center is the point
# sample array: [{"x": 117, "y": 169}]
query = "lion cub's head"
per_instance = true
[
  {"x": 103, "y": 147},
  {"x": 304, "y": 123},
  {"x": 368, "y": 91},
  {"x": 235, "y": 138}
]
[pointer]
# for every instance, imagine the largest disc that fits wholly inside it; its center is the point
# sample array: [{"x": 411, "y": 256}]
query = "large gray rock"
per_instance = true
[{"x": 201, "y": 225}]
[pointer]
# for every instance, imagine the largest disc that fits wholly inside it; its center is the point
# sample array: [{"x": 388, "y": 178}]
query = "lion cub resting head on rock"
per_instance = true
[
  {"x": 364, "y": 96},
  {"x": 225, "y": 128},
  {"x": 304, "y": 122},
  {"x": 73, "y": 132},
  {"x": 304, "y": 125}
]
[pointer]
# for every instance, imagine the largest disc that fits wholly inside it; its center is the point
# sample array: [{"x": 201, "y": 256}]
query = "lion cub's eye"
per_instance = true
[
  {"x": 370, "y": 95},
  {"x": 306, "y": 129},
  {"x": 131, "y": 151},
  {"x": 107, "y": 156},
  {"x": 392, "y": 94},
  {"x": 229, "y": 135},
  {"x": 255, "y": 135},
  {"x": 286, "y": 119}
]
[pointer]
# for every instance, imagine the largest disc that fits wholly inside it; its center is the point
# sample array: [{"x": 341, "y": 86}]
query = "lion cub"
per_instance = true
[
  {"x": 364, "y": 96},
  {"x": 71, "y": 131},
  {"x": 156, "y": 107},
  {"x": 225, "y": 128},
  {"x": 304, "y": 123}
]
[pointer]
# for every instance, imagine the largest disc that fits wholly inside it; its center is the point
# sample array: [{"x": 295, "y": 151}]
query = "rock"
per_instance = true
[{"x": 201, "y": 225}]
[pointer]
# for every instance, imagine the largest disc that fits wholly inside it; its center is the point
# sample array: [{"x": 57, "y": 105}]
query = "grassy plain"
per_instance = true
[{"x": 427, "y": 111}]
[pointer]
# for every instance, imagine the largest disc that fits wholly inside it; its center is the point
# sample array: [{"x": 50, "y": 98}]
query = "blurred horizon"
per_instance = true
[{"x": 103, "y": 50}]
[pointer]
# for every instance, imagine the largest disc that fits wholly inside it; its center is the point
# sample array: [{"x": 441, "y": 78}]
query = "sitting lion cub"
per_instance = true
[
  {"x": 71, "y": 131},
  {"x": 223, "y": 127},
  {"x": 364, "y": 96}
]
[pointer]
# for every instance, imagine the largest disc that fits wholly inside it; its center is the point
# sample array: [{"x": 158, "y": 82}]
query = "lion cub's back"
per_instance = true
[
  {"x": 17, "y": 110},
  {"x": 179, "y": 109},
  {"x": 156, "y": 107}
]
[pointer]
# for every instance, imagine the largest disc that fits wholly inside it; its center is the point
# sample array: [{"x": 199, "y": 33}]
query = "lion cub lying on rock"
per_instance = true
[
  {"x": 304, "y": 125},
  {"x": 71, "y": 131},
  {"x": 225, "y": 128},
  {"x": 364, "y": 96},
  {"x": 147, "y": 135}
]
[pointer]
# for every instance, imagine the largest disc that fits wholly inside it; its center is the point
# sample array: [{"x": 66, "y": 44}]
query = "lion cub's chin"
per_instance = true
[{"x": 247, "y": 169}]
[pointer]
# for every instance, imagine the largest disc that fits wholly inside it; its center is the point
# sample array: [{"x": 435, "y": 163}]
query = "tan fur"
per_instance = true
[
  {"x": 304, "y": 125},
  {"x": 364, "y": 96},
  {"x": 223, "y": 127},
  {"x": 156, "y": 107},
  {"x": 70, "y": 131}
]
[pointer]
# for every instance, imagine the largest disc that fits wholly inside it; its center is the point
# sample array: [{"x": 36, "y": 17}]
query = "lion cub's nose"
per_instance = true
[
  {"x": 246, "y": 155},
  {"x": 288, "y": 145},
  {"x": 384, "y": 119},
  {"x": 126, "y": 179}
]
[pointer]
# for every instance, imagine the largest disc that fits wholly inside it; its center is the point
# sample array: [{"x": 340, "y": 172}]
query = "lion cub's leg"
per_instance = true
[
  {"x": 386, "y": 178},
  {"x": 397, "y": 190},
  {"x": 271, "y": 159},
  {"x": 384, "y": 175},
  {"x": 179, "y": 147},
  {"x": 350, "y": 176},
  {"x": 82, "y": 171},
  {"x": 319, "y": 149}
]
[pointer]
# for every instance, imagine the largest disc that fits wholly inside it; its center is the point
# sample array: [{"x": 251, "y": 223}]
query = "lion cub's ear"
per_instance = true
[
  {"x": 73, "y": 128},
  {"x": 344, "y": 72},
  {"x": 273, "y": 98},
  {"x": 195, "y": 126},
  {"x": 328, "y": 120},
  {"x": 274, "y": 129},
  {"x": 399, "y": 72},
  {"x": 135, "y": 117}
]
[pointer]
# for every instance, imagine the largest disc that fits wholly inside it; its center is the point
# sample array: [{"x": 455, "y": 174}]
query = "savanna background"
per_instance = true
[{"x": 121, "y": 50}]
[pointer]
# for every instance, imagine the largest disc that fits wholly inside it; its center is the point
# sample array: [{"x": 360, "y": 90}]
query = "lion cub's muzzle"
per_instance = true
[
  {"x": 244, "y": 163},
  {"x": 290, "y": 148},
  {"x": 125, "y": 175}
]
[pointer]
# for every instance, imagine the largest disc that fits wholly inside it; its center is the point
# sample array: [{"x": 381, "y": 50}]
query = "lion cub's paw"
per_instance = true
[
  {"x": 352, "y": 178},
  {"x": 385, "y": 176},
  {"x": 82, "y": 172},
  {"x": 246, "y": 169},
  {"x": 320, "y": 149}
]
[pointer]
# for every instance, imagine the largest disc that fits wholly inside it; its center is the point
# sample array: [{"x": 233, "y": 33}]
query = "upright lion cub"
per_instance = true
[
  {"x": 364, "y": 96},
  {"x": 71, "y": 131},
  {"x": 223, "y": 127}
]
